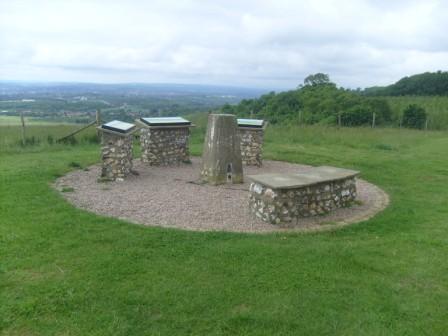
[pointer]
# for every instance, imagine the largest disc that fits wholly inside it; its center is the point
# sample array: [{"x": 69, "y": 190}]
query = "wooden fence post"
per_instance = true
[
  {"x": 98, "y": 121},
  {"x": 22, "y": 119},
  {"x": 339, "y": 120},
  {"x": 373, "y": 119}
]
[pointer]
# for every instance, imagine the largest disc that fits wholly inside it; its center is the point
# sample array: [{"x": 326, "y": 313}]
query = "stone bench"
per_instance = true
[{"x": 282, "y": 198}]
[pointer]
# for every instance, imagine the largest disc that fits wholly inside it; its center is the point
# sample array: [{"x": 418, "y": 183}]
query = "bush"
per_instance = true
[
  {"x": 414, "y": 116},
  {"x": 357, "y": 116}
]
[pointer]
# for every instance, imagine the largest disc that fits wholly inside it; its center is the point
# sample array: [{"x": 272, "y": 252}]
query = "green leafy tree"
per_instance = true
[
  {"x": 319, "y": 101},
  {"x": 414, "y": 116},
  {"x": 424, "y": 84},
  {"x": 317, "y": 79}
]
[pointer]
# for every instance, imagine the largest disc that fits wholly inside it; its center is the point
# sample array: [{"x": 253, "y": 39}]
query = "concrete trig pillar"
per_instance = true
[{"x": 221, "y": 158}]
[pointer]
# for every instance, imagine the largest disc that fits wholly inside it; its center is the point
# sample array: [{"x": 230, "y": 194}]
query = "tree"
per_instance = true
[
  {"x": 414, "y": 116},
  {"x": 357, "y": 115},
  {"x": 323, "y": 103},
  {"x": 424, "y": 84},
  {"x": 317, "y": 79}
]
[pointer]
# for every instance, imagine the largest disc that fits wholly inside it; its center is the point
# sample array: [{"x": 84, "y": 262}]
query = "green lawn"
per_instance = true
[{"x": 64, "y": 271}]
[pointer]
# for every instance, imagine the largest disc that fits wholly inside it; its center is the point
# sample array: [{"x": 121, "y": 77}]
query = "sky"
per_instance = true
[{"x": 251, "y": 43}]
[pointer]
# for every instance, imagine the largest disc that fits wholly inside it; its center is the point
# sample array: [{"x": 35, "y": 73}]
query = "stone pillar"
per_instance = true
[
  {"x": 165, "y": 146},
  {"x": 221, "y": 158},
  {"x": 251, "y": 146},
  {"x": 116, "y": 155}
]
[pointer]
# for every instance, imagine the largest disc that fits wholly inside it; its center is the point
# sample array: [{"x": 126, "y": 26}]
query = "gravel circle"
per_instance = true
[{"x": 172, "y": 197}]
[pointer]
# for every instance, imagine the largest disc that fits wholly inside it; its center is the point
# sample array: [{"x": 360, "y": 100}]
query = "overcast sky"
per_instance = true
[{"x": 268, "y": 44}]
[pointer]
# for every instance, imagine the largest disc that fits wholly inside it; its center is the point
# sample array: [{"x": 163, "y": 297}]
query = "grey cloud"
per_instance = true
[{"x": 254, "y": 43}]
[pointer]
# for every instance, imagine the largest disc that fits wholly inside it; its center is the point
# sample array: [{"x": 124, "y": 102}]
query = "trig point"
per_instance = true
[{"x": 221, "y": 158}]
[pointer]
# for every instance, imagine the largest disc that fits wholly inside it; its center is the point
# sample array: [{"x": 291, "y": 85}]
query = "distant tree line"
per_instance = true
[
  {"x": 320, "y": 101},
  {"x": 425, "y": 84}
]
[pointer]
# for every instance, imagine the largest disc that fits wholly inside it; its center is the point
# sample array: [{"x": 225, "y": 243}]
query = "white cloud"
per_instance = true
[{"x": 251, "y": 43}]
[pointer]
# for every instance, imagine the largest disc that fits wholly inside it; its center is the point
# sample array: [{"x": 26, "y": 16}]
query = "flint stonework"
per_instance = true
[
  {"x": 116, "y": 155},
  {"x": 284, "y": 202},
  {"x": 251, "y": 146},
  {"x": 165, "y": 146}
]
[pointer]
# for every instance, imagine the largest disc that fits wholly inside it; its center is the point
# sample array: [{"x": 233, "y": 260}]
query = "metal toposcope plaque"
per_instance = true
[
  {"x": 251, "y": 123},
  {"x": 118, "y": 126},
  {"x": 166, "y": 121}
]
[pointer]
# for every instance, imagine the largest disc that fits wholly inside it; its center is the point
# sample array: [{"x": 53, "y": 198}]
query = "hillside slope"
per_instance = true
[{"x": 424, "y": 84}]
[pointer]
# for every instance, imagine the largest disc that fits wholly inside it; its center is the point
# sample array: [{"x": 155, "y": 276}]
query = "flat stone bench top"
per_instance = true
[{"x": 311, "y": 176}]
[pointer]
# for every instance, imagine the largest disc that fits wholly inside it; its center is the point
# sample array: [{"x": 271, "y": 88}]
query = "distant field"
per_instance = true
[
  {"x": 15, "y": 120},
  {"x": 436, "y": 107}
]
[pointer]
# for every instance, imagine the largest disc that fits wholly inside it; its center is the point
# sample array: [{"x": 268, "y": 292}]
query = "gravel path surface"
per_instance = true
[{"x": 172, "y": 197}]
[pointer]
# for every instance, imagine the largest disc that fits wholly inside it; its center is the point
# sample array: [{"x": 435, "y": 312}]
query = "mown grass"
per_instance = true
[{"x": 68, "y": 272}]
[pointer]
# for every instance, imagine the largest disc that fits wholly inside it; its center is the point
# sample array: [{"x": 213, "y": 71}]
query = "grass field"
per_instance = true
[
  {"x": 36, "y": 130},
  {"x": 435, "y": 106},
  {"x": 64, "y": 271},
  {"x": 15, "y": 121}
]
